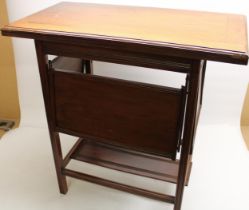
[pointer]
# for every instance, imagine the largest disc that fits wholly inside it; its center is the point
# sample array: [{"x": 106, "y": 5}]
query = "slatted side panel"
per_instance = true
[{"x": 133, "y": 115}]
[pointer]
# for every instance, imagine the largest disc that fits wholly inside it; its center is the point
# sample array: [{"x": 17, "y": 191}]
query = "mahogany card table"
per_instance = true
[{"x": 124, "y": 125}]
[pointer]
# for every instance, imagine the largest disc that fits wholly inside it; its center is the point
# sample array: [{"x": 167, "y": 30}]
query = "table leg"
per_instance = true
[
  {"x": 89, "y": 66},
  {"x": 54, "y": 136},
  {"x": 202, "y": 80},
  {"x": 199, "y": 102},
  {"x": 189, "y": 129}
]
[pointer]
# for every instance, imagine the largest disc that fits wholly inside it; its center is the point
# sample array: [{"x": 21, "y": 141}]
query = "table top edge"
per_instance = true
[{"x": 222, "y": 55}]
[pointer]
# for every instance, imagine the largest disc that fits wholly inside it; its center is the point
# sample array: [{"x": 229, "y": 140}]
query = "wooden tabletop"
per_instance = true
[{"x": 193, "y": 30}]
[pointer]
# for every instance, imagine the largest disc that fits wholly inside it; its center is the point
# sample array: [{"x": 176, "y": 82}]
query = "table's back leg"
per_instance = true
[
  {"x": 202, "y": 80},
  {"x": 54, "y": 136},
  {"x": 192, "y": 101},
  {"x": 89, "y": 66},
  {"x": 199, "y": 104}
]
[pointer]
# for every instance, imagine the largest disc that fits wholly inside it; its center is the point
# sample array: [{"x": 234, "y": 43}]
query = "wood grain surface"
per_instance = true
[
  {"x": 130, "y": 114},
  {"x": 154, "y": 25}
]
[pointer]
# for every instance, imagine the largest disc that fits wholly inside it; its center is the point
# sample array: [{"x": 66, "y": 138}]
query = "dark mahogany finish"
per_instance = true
[
  {"x": 129, "y": 161},
  {"x": 127, "y": 126},
  {"x": 122, "y": 125},
  {"x": 129, "y": 114}
]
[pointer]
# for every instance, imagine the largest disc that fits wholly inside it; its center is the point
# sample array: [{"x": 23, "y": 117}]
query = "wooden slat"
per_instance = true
[
  {"x": 136, "y": 115},
  {"x": 128, "y": 161},
  {"x": 119, "y": 186},
  {"x": 200, "y": 32},
  {"x": 67, "y": 158},
  {"x": 96, "y": 52}
]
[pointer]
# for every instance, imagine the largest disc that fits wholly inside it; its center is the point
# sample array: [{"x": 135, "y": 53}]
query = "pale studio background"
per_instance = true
[{"x": 220, "y": 174}]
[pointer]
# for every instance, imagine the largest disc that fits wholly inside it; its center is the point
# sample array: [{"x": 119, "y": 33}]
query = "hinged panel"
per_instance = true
[{"x": 130, "y": 114}]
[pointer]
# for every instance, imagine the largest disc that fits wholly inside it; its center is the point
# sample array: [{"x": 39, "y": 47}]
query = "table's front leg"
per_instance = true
[{"x": 54, "y": 136}]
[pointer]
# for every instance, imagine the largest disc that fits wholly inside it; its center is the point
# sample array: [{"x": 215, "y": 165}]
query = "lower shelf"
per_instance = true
[{"x": 128, "y": 161}]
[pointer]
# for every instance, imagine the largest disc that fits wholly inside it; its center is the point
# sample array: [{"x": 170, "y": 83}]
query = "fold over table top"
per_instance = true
[{"x": 200, "y": 35}]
